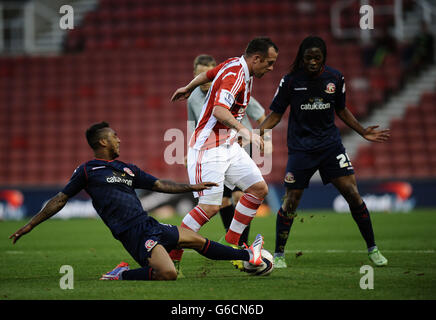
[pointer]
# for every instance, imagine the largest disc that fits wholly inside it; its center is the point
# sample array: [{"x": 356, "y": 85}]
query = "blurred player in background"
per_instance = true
[
  {"x": 195, "y": 105},
  {"x": 315, "y": 92},
  {"x": 213, "y": 154},
  {"x": 111, "y": 185}
]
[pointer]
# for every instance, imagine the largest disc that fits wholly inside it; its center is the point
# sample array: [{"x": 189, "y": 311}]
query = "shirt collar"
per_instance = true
[{"x": 245, "y": 67}]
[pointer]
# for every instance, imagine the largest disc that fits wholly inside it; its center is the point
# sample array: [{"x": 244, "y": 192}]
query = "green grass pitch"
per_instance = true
[{"x": 331, "y": 253}]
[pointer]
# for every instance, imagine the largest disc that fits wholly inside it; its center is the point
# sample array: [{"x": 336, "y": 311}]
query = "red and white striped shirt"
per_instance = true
[{"x": 230, "y": 88}]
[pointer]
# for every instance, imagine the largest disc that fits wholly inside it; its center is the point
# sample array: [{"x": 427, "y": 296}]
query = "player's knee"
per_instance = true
[
  {"x": 263, "y": 191},
  {"x": 190, "y": 240},
  {"x": 352, "y": 196},
  {"x": 289, "y": 208},
  {"x": 236, "y": 196},
  {"x": 259, "y": 190},
  {"x": 166, "y": 275},
  {"x": 226, "y": 202},
  {"x": 291, "y": 201},
  {"x": 210, "y": 209},
  {"x": 294, "y": 198}
]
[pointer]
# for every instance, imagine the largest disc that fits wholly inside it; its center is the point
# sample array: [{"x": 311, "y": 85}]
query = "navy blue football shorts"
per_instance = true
[
  {"x": 331, "y": 163},
  {"x": 140, "y": 239}
]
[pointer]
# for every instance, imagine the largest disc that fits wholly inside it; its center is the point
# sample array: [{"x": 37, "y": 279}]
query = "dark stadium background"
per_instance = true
[{"x": 124, "y": 59}]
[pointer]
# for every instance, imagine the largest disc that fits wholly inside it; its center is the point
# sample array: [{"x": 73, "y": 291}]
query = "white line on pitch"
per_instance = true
[
  {"x": 360, "y": 251},
  {"x": 349, "y": 251}
]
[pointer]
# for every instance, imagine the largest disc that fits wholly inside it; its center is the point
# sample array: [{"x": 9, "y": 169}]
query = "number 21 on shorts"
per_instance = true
[{"x": 344, "y": 160}]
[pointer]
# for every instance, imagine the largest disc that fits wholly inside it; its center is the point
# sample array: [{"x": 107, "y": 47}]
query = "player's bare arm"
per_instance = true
[
  {"x": 53, "y": 206},
  {"x": 270, "y": 122},
  {"x": 184, "y": 92},
  {"x": 225, "y": 117},
  {"x": 261, "y": 119},
  {"x": 168, "y": 186},
  {"x": 370, "y": 133}
]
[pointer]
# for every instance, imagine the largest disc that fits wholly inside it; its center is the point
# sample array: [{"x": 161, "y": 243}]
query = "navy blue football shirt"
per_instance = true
[
  {"x": 313, "y": 102},
  {"x": 111, "y": 186}
]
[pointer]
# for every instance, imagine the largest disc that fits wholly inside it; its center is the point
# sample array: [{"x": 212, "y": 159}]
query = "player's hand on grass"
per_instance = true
[
  {"x": 372, "y": 134},
  {"x": 20, "y": 232},
  {"x": 203, "y": 186},
  {"x": 181, "y": 94}
]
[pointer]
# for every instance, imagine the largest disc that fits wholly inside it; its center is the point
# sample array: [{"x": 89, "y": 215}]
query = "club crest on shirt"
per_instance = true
[
  {"x": 331, "y": 88},
  {"x": 129, "y": 172},
  {"x": 289, "y": 178},
  {"x": 150, "y": 244}
]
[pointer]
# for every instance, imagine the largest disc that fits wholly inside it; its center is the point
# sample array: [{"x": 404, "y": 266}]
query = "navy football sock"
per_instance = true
[
  {"x": 283, "y": 226},
  {"x": 361, "y": 216},
  {"x": 244, "y": 236},
  {"x": 216, "y": 251},
  {"x": 144, "y": 273},
  {"x": 226, "y": 214}
]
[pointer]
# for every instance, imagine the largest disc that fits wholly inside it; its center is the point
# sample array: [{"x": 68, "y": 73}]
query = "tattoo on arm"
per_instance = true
[
  {"x": 225, "y": 117},
  {"x": 53, "y": 206},
  {"x": 228, "y": 123}
]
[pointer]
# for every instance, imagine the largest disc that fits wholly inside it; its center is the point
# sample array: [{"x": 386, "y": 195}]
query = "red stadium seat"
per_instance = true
[{"x": 131, "y": 63}]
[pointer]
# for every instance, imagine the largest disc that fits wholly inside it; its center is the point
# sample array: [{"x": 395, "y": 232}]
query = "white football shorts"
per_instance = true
[{"x": 226, "y": 164}]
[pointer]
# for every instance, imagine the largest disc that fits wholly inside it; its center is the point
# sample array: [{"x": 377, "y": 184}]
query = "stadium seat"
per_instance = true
[{"x": 122, "y": 65}]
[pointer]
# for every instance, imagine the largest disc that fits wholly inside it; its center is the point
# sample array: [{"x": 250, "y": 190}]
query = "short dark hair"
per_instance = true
[
  {"x": 94, "y": 133},
  {"x": 307, "y": 43},
  {"x": 260, "y": 45},
  {"x": 204, "y": 60}
]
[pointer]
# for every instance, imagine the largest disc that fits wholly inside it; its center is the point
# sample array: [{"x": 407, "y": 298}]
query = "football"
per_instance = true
[{"x": 264, "y": 269}]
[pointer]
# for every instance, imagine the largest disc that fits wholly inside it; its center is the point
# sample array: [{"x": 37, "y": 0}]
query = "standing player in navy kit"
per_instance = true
[
  {"x": 111, "y": 185},
  {"x": 315, "y": 91}
]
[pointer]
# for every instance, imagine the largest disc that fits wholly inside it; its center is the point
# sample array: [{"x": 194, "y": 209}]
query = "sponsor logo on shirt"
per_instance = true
[
  {"x": 331, "y": 88},
  {"x": 315, "y": 104},
  {"x": 226, "y": 98},
  {"x": 119, "y": 178}
]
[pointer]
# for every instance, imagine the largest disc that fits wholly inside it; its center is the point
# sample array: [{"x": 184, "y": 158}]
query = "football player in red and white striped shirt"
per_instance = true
[{"x": 213, "y": 154}]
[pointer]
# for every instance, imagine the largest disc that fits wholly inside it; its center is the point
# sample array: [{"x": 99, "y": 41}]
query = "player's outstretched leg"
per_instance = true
[
  {"x": 216, "y": 251},
  {"x": 283, "y": 227},
  {"x": 284, "y": 221},
  {"x": 236, "y": 196},
  {"x": 193, "y": 221},
  {"x": 226, "y": 214},
  {"x": 115, "y": 273},
  {"x": 160, "y": 267},
  {"x": 347, "y": 186},
  {"x": 245, "y": 210}
]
